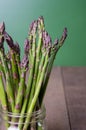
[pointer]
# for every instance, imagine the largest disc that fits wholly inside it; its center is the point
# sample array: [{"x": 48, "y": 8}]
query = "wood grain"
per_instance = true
[
  {"x": 74, "y": 79},
  {"x": 57, "y": 118}
]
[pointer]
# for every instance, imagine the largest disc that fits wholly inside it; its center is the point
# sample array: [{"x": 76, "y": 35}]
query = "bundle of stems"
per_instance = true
[{"x": 18, "y": 95}]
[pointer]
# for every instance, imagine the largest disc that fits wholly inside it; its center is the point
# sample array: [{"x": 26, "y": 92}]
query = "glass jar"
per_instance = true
[{"x": 11, "y": 121}]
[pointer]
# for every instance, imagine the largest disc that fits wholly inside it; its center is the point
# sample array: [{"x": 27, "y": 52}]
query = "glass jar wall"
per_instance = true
[{"x": 11, "y": 121}]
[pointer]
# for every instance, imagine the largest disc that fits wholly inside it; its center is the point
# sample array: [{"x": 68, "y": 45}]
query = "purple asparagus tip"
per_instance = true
[
  {"x": 64, "y": 35},
  {"x": 9, "y": 40},
  {"x": 25, "y": 61},
  {"x": 17, "y": 48},
  {"x": 41, "y": 19},
  {"x": 1, "y": 41},
  {"x": 56, "y": 42},
  {"x": 26, "y": 46},
  {"x": 46, "y": 39},
  {"x": 2, "y": 27},
  {"x": 33, "y": 27},
  {"x": 41, "y": 22}
]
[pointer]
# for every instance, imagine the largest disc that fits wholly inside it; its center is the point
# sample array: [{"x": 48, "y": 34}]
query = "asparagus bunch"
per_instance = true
[{"x": 19, "y": 95}]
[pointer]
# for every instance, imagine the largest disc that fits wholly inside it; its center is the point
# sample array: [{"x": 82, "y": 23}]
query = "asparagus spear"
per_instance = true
[
  {"x": 34, "y": 100},
  {"x": 46, "y": 47},
  {"x": 20, "y": 95},
  {"x": 17, "y": 55},
  {"x": 2, "y": 28},
  {"x": 9, "y": 88},
  {"x": 26, "y": 51},
  {"x": 28, "y": 48},
  {"x": 3, "y": 99},
  {"x": 38, "y": 51},
  {"x": 2, "y": 70},
  {"x": 6, "y": 70},
  {"x": 2, "y": 93},
  {"x": 13, "y": 58},
  {"x": 55, "y": 48},
  {"x": 31, "y": 64}
]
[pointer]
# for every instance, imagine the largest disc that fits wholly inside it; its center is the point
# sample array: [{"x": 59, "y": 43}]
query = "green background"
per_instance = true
[{"x": 18, "y": 14}]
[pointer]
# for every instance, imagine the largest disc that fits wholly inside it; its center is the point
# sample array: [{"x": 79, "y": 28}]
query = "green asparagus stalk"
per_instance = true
[
  {"x": 32, "y": 63},
  {"x": 2, "y": 70},
  {"x": 38, "y": 51},
  {"x": 3, "y": 98},
  {"x": 30, "y": 39},
  {"x": 13, "y": 58},
  {"x": 31, "y": 66},
  {"x": 26, "y": 51},
  {"x": 8, "y": 59},
  {"x": 39, "y": 127},
  {"x": 34, "y": 100},
  {"x": 32, "y": 57},
  {"x": 20, "y": 95},
  {"x": 17, "y": 55},
  {"x": 46, "y": 79},
  {"x": 46, "y": 47},
  {"x": 9, "y": 88},
  {"x": 41, "y": 65},
  {"x": 2, "y": 28},
  {"x": 43, "y": 89},
  {"x": 55, "y": 48},
  {"x": 2, "y": 93},
  {"x": 6, "y": 69}
]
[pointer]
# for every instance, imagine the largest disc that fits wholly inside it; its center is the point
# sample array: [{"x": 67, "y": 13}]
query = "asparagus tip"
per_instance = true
[
  {"x": 17, "y": 48},
  {"x": 9, "y": 40},
  {"x": 65, "y": 33},
  {"x": 56, "y": 41},
  {"x": 25, "y": 61},
  {"x": 46, "y": 39},
  {"x": 26, "y": 46},
  {"x": 2, "y": 27},
  {"x": 1, "y": 41},
  {"x": 41, "y": 22},
  {"x": 33, "y": 27}
]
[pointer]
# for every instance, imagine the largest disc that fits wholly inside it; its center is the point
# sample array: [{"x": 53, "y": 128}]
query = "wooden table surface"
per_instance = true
[{"x": 65, "y": 99}]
